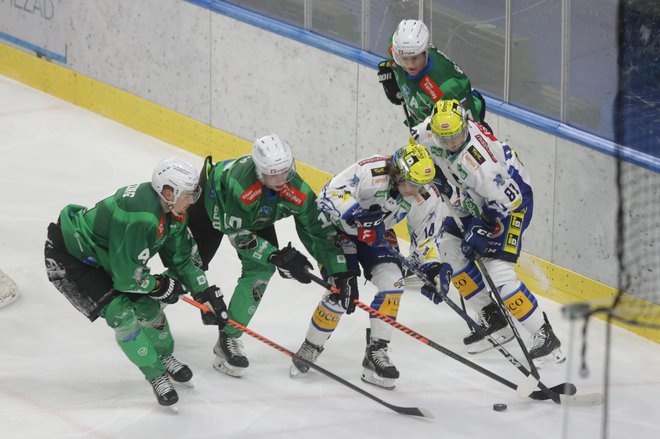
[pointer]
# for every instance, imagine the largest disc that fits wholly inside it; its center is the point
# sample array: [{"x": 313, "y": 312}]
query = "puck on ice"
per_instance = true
[{"x": 499, "y": 407}]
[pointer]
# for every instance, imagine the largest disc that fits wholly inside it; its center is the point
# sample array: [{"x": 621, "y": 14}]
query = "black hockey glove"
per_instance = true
[
  {"x": 348, "y": 289},
  {"x": 439, "y": 275},
  {"x": 167, "y": 289},
  {"x": 291, "y": 264},
  {"x": 440, "y": 182},
  {"x": 387, "y": 80},
  {"x": 213, "y": 296}
]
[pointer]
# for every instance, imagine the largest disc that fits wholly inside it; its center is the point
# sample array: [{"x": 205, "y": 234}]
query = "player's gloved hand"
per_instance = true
[
  {"x": 214, "y": 297},
  {"x": 475, "y": 239},
  {"x": 348, "y": 289},
  {"x": 387, "y": 80},
  {"x": 167, "y": 289},
  {"x": 439, "y": 275},
  {"x": 440, "y": 181},
  {"x": 369, "y": 223},
  {"x": 291, "y": 264}
]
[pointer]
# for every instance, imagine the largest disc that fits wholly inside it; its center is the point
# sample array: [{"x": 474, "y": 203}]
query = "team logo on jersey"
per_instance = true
[
  {"x": 252, "y": 193},
  {"x": 476, "y": 154},
  {"x": 354, "y": 181},
  {"x": 293, "y": 195},
  {"x": 431, "y": 88},
  {"x": 499, "y": 180},
  {"x": 377, "y": 172}
]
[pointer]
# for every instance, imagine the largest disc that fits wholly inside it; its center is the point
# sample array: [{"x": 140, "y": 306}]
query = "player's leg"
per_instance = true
[
  {"x": 327, "y": 314},
  {"x": 384, "y": 271},
  {"x": 250, "y": 288}
]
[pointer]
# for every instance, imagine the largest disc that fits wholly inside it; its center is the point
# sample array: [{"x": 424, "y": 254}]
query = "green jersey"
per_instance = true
[
  {"x": 122, "y": 232},
  {"x": 238, "y": 203},
  {"x": 440, "y": 79}
]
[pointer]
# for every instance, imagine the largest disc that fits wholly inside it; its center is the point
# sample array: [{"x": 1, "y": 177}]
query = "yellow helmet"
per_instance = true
[
  {"x": 414, "y": 164},
  {"x": 448, "y": 121}
]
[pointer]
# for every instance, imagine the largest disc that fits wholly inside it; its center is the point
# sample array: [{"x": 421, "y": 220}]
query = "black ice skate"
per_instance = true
[
  {"x": 494, "y": 324},
  {"x": 178, "y": 371},
  {"x": 164, "y": 391},
  {"x": 378, "y": 369},
  {"x": 545, "y": 346},
  {"x": 309, "y": 352},
  {"x": 229, "y": 356}
]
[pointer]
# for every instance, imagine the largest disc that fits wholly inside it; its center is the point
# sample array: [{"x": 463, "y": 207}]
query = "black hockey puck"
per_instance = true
[{"x": 499, "y": 407}]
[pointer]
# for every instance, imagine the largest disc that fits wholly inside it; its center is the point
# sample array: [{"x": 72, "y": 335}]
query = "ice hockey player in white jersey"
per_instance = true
[
  {"x": 364, "y": 202},
  {"x": 494, "y": 199}
]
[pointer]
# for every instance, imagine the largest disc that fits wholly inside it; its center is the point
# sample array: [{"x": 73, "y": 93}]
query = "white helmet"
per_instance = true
[
  {"x": 272, "y": 156},
  {"x": 410, "y": 38},
  {"x": 177, "y": 174}
]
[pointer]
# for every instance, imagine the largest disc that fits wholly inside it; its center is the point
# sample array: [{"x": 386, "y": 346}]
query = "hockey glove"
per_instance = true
[
  {"x": 348, "y": 289},
  {"x": 167, "y": 289},
  {"x": 440, "y": 182},
  {"x": 387, "y": 80},
  {"x": 369, "y": 223},
  {"x": 291, "y": 264},
  {"x": 213, "y": 296},
  {"x": 439, "y": 275},
  {"x": 475, "y": 240}
]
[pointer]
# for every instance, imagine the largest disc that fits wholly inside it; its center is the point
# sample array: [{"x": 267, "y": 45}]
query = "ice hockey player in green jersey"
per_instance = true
[
  {"x": 418, "y": 75},
  {"x": 97, "y": 258},
  {"x": 243, "y": 198}
]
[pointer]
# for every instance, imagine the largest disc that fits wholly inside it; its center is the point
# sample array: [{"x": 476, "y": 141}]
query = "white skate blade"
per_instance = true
[
  {"x": 294, "y": 371},
  {"x": 502, "y": 336},
  {"x": 554, "y": 357},
  {"x": 371, "y": 377},
  {"x": 189, "y": 384},
  {"x": 222, "y": 366},
  {"x": 174, "y": 408}
]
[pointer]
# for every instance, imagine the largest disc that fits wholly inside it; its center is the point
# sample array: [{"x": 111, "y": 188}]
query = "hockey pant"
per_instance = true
[
  {"x": 469, "y": 282},
  {"x": 383, "y": 270},
  {"x": 141, "y": 329}
]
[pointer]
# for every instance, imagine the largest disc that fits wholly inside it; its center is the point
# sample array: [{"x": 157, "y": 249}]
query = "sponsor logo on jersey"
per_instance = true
[
  {"x": 293, "y": 195},
  {"x": 381, "y": 193},
  {"x": 485, "y": 145},
  {"x": 431, "y": 88},
  {"x": 258, "y": 289},
  {"x": 161, "y": 226},
  {"x": 252, "y": 193},
  {"x": 377, "y": 158},
  {"x": 379, "y": 180},
  {"x": 377, "y": 172},
  {"x": 476, "y": 154}
]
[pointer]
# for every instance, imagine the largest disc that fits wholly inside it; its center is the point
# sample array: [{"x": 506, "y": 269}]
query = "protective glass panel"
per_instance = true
[
  {"x": 471, "y": 33},
  {"x": 340, "y": 20},
  {"x": 384, "y": 16},
  {"x": 535, "y": 74},
  {"x": 290, "y": 11}
]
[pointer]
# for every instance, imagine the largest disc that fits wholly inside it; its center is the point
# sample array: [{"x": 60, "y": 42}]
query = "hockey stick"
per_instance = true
[
  {"x": 411, "y": 411},
  {"x": 564, "y": 388},
  {"x": 532, "y": 381}
]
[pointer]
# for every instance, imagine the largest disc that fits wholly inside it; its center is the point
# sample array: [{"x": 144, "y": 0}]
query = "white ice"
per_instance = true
[{"x": 62, "y": 376}]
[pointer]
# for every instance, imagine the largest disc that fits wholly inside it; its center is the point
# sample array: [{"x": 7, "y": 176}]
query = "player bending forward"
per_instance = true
[
  {"x": 364, "y": 202},
  {"x": 243, "y": 198},
  {"x": 97, "y": 258},
  {"x": 495, "y": 202}
]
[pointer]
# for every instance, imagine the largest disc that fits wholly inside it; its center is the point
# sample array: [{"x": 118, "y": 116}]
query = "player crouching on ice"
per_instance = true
[
  {"x": 363, "y": 203},
  {"x": 97, "y": 258},
  {"x": 495, "y": 202}
]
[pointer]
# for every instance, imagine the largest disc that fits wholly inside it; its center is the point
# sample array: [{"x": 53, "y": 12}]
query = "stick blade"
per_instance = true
[{"x": 413, "y": 411}]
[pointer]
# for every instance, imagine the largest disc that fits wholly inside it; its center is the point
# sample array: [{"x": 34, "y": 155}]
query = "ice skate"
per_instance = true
[
  {"x": 177, "y": 371},
  {"x": 378, "y": 369},
  {"x": 307, "y": 351},
  {"x": 164, "y": 391},
  {"x": 494, "y": 324},
  {"x": 545, "y": 347},
  {"x": 229, "y": 356}
]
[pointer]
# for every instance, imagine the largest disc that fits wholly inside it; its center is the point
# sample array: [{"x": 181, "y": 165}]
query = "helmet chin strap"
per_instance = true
[{"x": 168, "y": 206}]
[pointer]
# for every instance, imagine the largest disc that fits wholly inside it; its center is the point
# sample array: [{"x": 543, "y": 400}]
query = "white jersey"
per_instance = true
[
  {"x": 367, "y": 183},
  {"x": 486, "y": 172}
]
